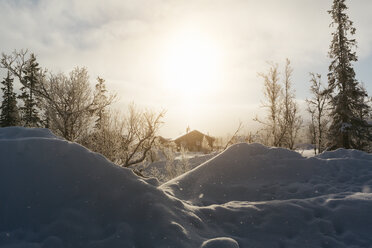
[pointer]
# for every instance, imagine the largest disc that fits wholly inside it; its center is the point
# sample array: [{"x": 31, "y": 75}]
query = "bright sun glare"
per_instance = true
[{"x": 191, "y": 64}]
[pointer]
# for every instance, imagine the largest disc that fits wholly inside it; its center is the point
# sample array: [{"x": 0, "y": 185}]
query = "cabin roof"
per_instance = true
[{"x": 193, "y": 134}]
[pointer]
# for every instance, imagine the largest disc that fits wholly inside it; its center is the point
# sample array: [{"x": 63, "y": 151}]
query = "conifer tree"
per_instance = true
[
  {"x": 346, "y": 126},
  {"x": 31, "y": 83},
  {"x": 9, "y": 110}
]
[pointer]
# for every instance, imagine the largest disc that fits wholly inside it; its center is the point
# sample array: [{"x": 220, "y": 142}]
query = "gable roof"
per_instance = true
[{"x": 193, "y": 135}]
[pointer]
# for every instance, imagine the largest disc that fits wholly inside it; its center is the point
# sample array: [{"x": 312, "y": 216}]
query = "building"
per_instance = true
[{"x": 195, "y": 141}]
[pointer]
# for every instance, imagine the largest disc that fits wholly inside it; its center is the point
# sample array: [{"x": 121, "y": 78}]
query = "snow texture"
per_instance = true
[
  {"x": 55, "y": 193},
  {"x": 220, "y": 243},
  {"x": 192, "y": 159}
]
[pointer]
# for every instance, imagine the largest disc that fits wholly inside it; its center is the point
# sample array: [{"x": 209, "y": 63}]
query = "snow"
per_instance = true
[
  {"x": 23, "y": 133},
  {"x": 253, "y": 172},
  {"x": 192, "y": 159},
  {"x": 306, "y": 150},
  {"x": 307, "y": 153},
  {"x": 55, "y": 193},
  {"x": 222, "y": 242}
]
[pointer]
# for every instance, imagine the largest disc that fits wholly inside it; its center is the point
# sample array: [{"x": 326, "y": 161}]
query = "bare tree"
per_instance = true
[
  {"x": 69, "y": 103},
  {"x": 283, "y": 122},
  {"x": 140, "y": 132},
  {"x": 170, "y": 156},
  {"x": 311, "y": 132},
  {"x": 77, "y": 113},
  {"x": 317, "y": 107},
  {"x": 273, "y": 124},
  {"x": 292, "y": 119},
  {"x": 101, "y": 100},
  {"x": 233, "y": 137},
  {"x": 16, "y": 63},
  {"x": 126, "y": 140},
  {"x": 107, "y": 139},
  {"x": 184, "y": 165},
  {"x": 251, "y": 137}
]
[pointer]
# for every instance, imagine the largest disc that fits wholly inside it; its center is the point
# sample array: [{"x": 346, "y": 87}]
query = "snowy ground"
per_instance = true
[
  {"x": 307, "y": 153},
  {"x": 58, "y": 194},
  {"x": 189, "y": 160}
]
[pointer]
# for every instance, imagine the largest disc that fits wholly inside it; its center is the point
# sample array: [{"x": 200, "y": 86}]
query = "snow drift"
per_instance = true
[
  {"x": 253, "y": 172},
  {"x": 273, "y": 197},
  {"x": 54, "y": 193}
]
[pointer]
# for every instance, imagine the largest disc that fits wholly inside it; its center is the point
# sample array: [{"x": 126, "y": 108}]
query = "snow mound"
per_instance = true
[
  {"x": 345, "y": 154},
  {"x": 253, "y": 172},
  {"x": 22, "y": 133},
  {"x": 55, "y": 193}
]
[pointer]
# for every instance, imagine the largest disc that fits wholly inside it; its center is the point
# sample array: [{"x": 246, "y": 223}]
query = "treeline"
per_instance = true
[
  {"x": 340, "y": 111},
  {"x": 69, "y": 106}
]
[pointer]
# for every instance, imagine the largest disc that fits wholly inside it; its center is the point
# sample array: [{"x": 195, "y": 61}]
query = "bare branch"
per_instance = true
[{"x": 230, "y": 142}]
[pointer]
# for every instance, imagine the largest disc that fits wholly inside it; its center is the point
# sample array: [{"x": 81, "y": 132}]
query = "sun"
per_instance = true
[{"x": 191, "y": 64}]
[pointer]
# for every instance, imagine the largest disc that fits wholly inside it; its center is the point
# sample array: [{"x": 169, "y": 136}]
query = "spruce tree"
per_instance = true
[
  {"x": 9, "y": 110},
  {"x": 31, "y": 83},
  {"x": 346, "y": 126}
]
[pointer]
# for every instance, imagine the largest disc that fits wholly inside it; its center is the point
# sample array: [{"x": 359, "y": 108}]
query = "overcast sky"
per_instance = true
[{"x": 130, "y": 44}]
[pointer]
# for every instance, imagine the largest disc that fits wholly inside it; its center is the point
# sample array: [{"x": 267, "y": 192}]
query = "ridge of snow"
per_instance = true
[
  {"x": 253, "y": 172},
  {"x": 15, "y": 133},
  {"x": 55, "y": 193}
]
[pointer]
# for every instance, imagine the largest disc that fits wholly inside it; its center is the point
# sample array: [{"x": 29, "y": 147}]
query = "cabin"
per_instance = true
[
  {"x": 195, "y": 141},
  {"x": 164, "y": 141}
]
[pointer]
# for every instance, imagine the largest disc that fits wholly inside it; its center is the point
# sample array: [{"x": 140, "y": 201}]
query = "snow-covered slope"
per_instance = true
[
  {"x": 159, "y": 170},
  {"x": 253, "y": 172},
  {"x": 58, "y": 194},
  {"x": 273, "y": 197}
]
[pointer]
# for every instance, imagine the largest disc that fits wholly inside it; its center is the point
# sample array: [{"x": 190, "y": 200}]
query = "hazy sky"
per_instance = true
[{"x": 197, "y": 59}]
